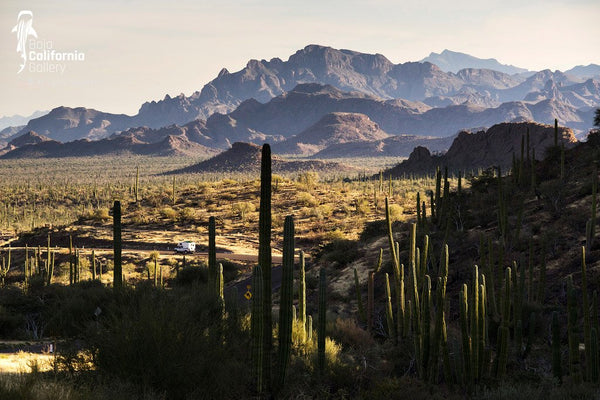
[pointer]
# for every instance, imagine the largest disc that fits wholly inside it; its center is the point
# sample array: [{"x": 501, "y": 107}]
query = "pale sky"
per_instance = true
[{"x": 137, "y": 51}]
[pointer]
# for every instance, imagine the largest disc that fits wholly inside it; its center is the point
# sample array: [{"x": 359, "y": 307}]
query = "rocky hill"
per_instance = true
[
  {"x": 331, "y": 130},
  {"x": 245, "y": 157},
  {"x": 494, "y": 147}
]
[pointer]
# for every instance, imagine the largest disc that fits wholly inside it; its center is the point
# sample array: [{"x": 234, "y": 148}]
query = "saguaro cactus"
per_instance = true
[
  {"x": 574, "y": 360},
  {"x": 212, "y": 256},
  {"x": 556, "y": 361},
  {"x": 286, "y": 298},
  {"x": 586, "y": 316},
  {"x": 257, "y": 327},
  {"x": 264, "y": 258},
  {"x": 322, "y": 320},
  {"x": 388, "y": 309},
  {"x": 117, "y": 245},
  {"x": 302, "y": 291},
  {"x": 137, "y": 181}
]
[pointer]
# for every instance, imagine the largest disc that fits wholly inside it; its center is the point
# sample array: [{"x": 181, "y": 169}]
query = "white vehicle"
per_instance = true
[{"x": 185, "y": 247}]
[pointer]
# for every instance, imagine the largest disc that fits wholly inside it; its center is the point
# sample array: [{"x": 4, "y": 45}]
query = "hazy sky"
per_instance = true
[{"x": 137, "y": 51}]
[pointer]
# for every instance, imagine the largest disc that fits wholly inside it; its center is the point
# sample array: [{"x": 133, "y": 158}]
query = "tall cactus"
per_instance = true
[
  {"x": 322, "y": 321},
  {"x": 556, "y": 359},
  {"x": 264, "y": 258},
  {"x": 594, "y": 375},
  {"x": 302, "y": 291},
  {"x": 137, "y": 181},
  {"x": 50, "y": 268},
  {"x": 555, "y": 132},
  {"x": 475, "y": 324},
  {"x": 370, "y": 300},
  {"x": 359, "y": 302},
  {"x": 212, "y": 255},
  {"x": 389, "y": 314},
  {"x": 426, "y": 325},
  {"x": 174, "y": 192},
  {"x": 439, "y": 314},
  {"x": 574, "y": 359},
  {"x": 438, "y": 194},
  {"x": 117, "y": 246},
  {"x": 586, "y": 315},
  {"x": 464, "y": 328},
  {"x": 257, "y": 327},
  {"x": 286, "y": 299},
  {"x": 93, "y": 265},
  {"x": 591, "y": 228},
  {"x": 220, "y": 293},
  {"x": 504, "y": 327}
]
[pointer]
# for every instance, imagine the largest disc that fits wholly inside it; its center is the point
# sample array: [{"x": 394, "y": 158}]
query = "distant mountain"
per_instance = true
[
  {"x": 35, "y": 146},
  {"x": 535, "y": 82},
  {"x": 30, "y": 137},
  {"x": 494, "y": 147},
  {"x": 67, "y": 124},
  {"x": 580, "y": 95},
  {"x": 331, "y": 129},
  {"x": 585, "y": 72},
  {"x": 348, "y": 70},
  {"x": 452, "y": 61},
  {"x": 17, "y": 120},
  {"x": 245, "y": 157},
  {"x": 8, "y": 133}
]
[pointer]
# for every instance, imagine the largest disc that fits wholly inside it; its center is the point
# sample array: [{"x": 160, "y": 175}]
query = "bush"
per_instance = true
[
  {"x": 169, "y": 213},
  {"x": 191, "y": 275},
  {"x": 341, "y": 251},
  {"x": 168, "y": 341},
  {"x": 396, "y": 212}
]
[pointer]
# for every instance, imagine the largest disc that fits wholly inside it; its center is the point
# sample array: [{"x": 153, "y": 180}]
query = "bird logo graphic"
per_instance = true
[{"x": 24, "y": 29}]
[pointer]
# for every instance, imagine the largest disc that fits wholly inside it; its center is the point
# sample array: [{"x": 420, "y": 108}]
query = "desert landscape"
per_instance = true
[{"x": 327, "y": 225}]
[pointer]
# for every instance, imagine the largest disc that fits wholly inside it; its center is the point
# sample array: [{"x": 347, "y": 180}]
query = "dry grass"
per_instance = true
[{"x": 24, "y": 362}]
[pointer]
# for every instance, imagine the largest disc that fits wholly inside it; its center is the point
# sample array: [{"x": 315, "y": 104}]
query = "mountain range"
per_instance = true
[
  {"x": 288, "y": 103},
  {"x": 19, "y": 120},
  {"x": 452, "y": 61}
]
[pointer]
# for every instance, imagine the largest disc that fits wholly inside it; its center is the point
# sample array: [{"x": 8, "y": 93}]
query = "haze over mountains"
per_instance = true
[
  {"x": 367, "y": 97},
  {"x": 452, "y": 61}
]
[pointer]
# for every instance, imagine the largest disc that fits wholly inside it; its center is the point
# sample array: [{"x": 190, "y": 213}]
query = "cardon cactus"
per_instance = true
[
  {"x": 212, "y": 256},
  {"x": 117, "y": 245},
  {"x": 257, "y": 327},
  {"x": 322, "y": 321},
  {"x": 264, "y": 258},
  {"x": 286, "y": 299}
]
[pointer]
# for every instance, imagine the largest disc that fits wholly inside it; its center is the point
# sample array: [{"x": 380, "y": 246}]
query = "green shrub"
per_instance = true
[
  {"x": 192, "y": 275},
  {"x": 168, "y": 341},
  {"x": 341, "y": 251}
]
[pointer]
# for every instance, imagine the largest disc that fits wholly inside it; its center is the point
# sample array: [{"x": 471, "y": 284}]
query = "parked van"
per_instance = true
[{"x": 185, "y": 247}]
